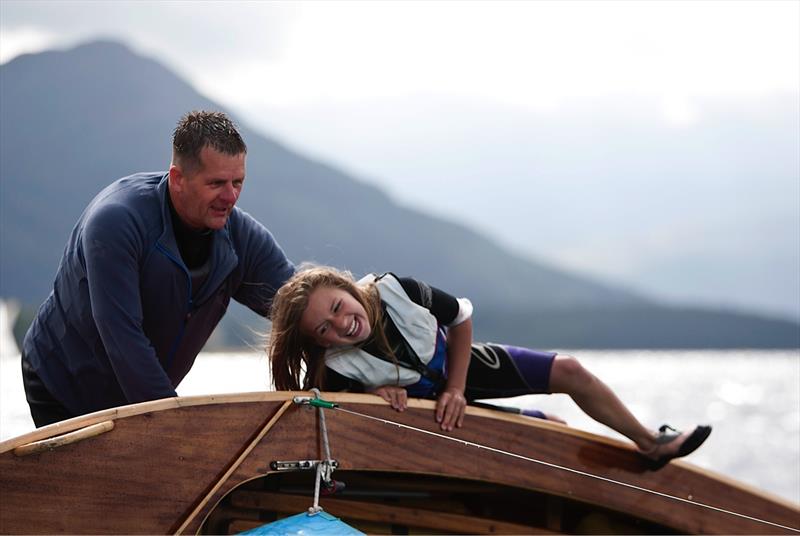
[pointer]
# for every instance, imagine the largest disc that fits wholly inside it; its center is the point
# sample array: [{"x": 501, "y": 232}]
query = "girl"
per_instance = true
[{"x": 396, "y": 337}]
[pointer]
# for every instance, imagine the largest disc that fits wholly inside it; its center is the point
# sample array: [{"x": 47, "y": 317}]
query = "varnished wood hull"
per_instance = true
[{"x": 170, "y": 466}]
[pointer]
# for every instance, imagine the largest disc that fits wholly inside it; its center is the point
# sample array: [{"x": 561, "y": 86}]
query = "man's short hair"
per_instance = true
[{"x": 198, "y": 129}]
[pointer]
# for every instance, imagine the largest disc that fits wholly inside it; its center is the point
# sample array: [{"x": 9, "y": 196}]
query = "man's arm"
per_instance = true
[
  {"x": 265, "y": 266},
  {"x": 112, "y": 249}
]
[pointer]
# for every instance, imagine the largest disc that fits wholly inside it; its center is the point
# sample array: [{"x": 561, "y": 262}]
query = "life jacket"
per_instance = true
[{"x": 418, "y": 329}]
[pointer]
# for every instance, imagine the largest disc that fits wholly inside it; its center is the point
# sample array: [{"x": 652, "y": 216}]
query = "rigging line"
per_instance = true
[{"x": 561, "y": 467}]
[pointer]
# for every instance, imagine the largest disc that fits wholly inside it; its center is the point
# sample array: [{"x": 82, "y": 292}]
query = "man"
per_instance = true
[{"x": 146, "y": 275}]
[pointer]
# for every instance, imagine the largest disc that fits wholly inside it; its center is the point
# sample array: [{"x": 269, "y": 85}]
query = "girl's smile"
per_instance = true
[{"x": 333, "y": 317}]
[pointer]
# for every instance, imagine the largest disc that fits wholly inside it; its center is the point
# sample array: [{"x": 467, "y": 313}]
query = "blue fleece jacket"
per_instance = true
[{"x": 120, "y": 325}]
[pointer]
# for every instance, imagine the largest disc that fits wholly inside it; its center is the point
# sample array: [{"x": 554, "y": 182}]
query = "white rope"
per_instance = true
[
  {"x": 316, "y": 508},
  {"x": 324, "y": 468},
  {"x": 325, "y": 444},
  {"x": 561, "y": 467}
]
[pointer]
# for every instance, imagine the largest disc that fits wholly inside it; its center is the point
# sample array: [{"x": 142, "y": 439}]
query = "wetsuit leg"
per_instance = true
[
  {"x": 499, "y": 371},
  {"x": 533, "y": 365}
]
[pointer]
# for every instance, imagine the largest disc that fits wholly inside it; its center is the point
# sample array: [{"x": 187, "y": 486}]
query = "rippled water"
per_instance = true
[{"x": 752, "y": 398}]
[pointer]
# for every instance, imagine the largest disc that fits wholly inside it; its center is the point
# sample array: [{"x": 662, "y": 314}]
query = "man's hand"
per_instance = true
[
  {"x": 450, "y": 408},
  {"x": 394, "y": 395}
]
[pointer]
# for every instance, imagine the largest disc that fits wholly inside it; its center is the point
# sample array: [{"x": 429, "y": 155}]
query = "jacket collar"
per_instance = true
[{"x": 223, "y": 257}]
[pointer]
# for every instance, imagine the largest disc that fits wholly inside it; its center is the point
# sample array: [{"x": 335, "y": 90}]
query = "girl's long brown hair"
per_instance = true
[{"x": 292, "y": 353}]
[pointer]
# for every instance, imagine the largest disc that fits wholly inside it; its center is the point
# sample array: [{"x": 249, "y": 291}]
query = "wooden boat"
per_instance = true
[{"x": 205, "y": 465}]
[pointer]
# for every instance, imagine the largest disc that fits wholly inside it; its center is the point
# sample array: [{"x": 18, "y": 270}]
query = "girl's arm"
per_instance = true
[
  {"x": 456, "y": 314},
  {"x": 452, "y": 404}
]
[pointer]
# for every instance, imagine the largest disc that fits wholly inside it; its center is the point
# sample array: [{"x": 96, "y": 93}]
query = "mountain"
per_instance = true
[
  {"x": 72, "y": 121},
  {"x": 706, "y": 212}
]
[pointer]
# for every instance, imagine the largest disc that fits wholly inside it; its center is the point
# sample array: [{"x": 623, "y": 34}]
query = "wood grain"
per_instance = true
[{"x": 172, "y": 461}]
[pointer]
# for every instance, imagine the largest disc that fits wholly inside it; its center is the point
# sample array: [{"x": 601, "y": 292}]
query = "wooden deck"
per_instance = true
[{"x": 170, "y": 466}]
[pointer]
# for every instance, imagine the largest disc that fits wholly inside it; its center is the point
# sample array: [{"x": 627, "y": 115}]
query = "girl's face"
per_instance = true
[{"x": 333, "y": 318}]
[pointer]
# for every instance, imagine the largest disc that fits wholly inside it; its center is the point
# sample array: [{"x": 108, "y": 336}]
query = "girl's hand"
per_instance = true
[
  {"x": 394, "y": 395},
  {"x": 450, "y": 408}
]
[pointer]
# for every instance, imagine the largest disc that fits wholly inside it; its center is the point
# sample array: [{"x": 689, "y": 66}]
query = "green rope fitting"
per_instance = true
[{"x": 319, "y": 403}]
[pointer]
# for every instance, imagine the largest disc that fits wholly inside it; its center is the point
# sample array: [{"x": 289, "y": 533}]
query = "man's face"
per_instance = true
[{"x": 204, "y": 197}]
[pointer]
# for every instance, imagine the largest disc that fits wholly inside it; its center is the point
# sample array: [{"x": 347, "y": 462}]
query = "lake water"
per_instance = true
[{"x": 752, "y": 398}]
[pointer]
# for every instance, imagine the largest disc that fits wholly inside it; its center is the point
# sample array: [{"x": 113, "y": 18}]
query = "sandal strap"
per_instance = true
[{"x": 667, "y": 434}]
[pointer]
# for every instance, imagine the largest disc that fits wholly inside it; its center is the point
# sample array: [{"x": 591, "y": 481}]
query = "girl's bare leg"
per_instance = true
[{"x": 598, "y": 401}]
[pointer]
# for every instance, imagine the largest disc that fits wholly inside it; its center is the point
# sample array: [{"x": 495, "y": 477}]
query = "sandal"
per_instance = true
[{"x": 668, "y": 434}]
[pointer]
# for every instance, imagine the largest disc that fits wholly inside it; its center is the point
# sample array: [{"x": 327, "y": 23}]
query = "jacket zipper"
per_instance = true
[{"x": 189, "y": 306}]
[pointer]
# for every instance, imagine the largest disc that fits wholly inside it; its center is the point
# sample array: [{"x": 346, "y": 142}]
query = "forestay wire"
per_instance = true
[{"x": 563, "y": 468}]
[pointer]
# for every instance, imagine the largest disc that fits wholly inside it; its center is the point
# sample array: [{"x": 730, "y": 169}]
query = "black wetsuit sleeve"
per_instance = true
[
  {"x": 443, "y": 306},
  {"x": 336, "y": 382}
]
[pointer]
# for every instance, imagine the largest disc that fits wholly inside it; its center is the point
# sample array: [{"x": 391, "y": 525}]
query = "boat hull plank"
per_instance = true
[
  {"x": 360, "y": 444},
  {"x": 138, "y": 478}
]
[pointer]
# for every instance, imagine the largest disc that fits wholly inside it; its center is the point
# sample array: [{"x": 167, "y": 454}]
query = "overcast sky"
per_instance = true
[
  {"x": 529, "y": 54},
  {"x": 428, "y": 98}
]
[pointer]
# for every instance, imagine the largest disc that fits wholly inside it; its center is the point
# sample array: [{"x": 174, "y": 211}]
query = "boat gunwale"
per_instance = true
[{"x": 131, "y": 410}]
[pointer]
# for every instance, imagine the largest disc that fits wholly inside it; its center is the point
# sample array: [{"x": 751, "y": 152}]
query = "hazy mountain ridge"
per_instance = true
[
  {"x": 73, "y": 121},
  {"x": 707, "y": 211}
]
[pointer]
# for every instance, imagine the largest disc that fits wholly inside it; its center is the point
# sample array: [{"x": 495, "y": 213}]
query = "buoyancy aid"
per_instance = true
[{"x": 417, "y": 326}]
